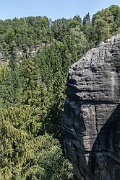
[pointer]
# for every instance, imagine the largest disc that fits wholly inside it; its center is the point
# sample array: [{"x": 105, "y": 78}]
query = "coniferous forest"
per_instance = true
[{"x": 35, "y": 55}]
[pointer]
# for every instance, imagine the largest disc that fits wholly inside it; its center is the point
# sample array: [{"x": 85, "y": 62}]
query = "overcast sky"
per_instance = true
[{"x": 53, "y": 9}]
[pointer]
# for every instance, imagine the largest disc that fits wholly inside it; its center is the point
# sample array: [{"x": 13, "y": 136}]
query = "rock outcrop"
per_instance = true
[
  {"x": 91, "y": 119},
  {"x": 18, "y": 54}
]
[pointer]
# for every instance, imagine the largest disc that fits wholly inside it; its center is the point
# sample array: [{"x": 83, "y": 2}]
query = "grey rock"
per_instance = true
[
  {"x": 91, "y": 119},
  {"x": 1, "y": 56}
]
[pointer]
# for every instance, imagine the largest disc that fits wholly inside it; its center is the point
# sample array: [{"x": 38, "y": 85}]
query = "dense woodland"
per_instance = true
[{"x": 36, "y": 54}]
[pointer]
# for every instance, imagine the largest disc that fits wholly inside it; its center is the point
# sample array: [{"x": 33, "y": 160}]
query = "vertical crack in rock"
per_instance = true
[
  {"x": 91, "y": 120},
  {"x": 100, "y": 148},
  {"x": 97, "y": 130}
]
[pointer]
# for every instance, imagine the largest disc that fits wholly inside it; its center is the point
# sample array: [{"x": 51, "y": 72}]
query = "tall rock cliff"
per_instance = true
[{"x": 91, "y": 120}]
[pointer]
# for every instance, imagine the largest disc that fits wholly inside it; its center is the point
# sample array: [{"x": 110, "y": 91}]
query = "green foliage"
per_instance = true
[
  {"x": 3, "y": 72},
  {"x": 86, "y": 19},
  {"x": 32, "y": 88},
  {"x": 106, "y": 23},
  {"x": 25, "y": 154}
]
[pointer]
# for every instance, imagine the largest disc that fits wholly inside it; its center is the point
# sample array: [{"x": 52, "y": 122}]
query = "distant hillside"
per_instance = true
[{"x": 30, "y": 35}]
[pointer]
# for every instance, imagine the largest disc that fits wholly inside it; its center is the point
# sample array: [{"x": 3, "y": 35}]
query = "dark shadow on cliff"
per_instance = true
[{"x": 104, "y": 159}]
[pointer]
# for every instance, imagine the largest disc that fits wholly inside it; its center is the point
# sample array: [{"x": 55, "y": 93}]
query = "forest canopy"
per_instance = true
[{"x": 35, "y": 55}]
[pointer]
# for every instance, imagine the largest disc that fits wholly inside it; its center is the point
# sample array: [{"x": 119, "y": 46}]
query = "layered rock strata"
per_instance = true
[{"x": 91, "y": 120}]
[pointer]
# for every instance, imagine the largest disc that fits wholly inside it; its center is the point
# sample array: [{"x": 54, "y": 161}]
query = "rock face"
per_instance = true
[{"x": 91, "y": 120}]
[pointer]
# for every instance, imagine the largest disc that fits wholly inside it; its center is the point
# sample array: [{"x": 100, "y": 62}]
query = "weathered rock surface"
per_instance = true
[{"x": 91, "y": 120}]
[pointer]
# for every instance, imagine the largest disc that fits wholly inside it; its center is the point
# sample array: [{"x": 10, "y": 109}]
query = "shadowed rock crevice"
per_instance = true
[
  {"x": 104, "y": 159},
  {"x": 91, "y": 120}
]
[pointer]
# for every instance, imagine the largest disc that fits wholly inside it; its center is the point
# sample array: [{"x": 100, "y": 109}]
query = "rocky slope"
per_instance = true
[{"x": 91, "y": 120}]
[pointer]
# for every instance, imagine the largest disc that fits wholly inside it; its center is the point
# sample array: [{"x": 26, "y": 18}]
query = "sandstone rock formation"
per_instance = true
[{"x": 91, "y": 120}]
